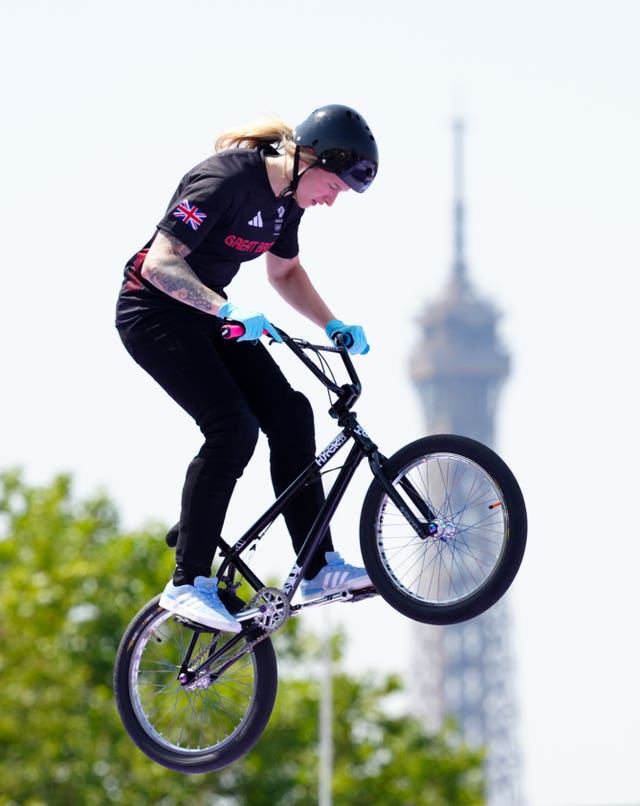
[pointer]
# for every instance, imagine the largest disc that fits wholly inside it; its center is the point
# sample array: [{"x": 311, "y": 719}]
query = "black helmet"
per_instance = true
[{"x": 343, "y": 143}]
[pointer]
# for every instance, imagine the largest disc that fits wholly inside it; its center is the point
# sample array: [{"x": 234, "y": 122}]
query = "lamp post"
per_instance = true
[{"x": 325, "y": 776}]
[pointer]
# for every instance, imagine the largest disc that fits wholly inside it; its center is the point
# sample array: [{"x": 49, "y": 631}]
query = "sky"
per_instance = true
[{"x": 106, "y": 105}]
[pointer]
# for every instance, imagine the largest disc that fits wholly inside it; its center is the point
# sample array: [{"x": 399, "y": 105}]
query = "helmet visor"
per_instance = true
[{"x": 355, "y": 172}]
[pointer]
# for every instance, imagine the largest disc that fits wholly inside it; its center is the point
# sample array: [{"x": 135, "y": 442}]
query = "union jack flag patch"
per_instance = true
[{"x": 189, "y": 214}]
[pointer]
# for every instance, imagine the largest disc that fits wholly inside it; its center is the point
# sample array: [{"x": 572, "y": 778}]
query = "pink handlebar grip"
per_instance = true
[{"x": 232, "y": 331}]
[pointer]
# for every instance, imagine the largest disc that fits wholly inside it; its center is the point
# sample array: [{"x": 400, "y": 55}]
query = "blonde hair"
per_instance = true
[{"x": 271, "y": 131}]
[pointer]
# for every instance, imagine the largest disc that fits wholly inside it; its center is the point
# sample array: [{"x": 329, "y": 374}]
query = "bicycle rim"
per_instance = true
[
  {"x": 207, "y": 713},
  {"x": 469, "y": 531}
]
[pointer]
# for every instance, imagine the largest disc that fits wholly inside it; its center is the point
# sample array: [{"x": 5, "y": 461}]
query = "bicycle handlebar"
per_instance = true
[
  {"x": 233, "y": 330},
  {"x": 347, "y": 393}
]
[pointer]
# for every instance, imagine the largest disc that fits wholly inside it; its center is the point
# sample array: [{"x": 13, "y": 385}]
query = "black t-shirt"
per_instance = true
[{"x": 225, "y": 211}]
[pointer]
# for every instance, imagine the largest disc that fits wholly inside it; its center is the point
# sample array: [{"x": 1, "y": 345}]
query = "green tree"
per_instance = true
[{"x": 70, "y": 582}]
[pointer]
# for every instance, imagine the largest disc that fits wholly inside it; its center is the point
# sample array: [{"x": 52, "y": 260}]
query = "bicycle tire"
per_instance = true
[
  {"x": 198, "y": 728},
  {"x": 479, "y": 523}
]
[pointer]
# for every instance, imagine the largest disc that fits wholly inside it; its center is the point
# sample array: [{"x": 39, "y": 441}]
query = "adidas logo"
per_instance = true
[
  {"x": 335, "y": 579},
  {"x": 256, "y": 221}
]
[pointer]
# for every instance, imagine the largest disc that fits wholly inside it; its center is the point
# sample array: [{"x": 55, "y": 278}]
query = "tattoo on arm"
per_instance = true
[{"x": 166, "y": 268}]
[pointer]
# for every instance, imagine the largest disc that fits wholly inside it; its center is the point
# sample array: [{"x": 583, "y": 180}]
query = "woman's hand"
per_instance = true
[
  {"x": 254, "y": 323},
  {"x": 354, "y": 338}
]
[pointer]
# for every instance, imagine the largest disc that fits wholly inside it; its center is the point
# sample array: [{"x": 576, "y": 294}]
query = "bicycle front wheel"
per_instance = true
[
  {"x": 210, "y": 717},
  {"x": 472, "y": 535}
]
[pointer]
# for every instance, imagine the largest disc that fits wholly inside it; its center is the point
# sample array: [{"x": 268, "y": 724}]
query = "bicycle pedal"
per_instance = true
[
  {"x": 363, "y": 593},
  {"x": 357, "y": 594}
]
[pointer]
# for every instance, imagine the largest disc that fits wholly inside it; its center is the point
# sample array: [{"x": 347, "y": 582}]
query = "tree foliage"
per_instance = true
[{"x": 71, "y": 580}]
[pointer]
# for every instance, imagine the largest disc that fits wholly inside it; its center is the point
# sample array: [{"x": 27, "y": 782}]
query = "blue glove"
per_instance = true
[
  {"x": 354, "y": 339},
  {"x": 254, "y": 323}
]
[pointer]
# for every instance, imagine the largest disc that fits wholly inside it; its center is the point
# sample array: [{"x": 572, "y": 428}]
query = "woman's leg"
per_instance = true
[{"x": 180, "y": 353}]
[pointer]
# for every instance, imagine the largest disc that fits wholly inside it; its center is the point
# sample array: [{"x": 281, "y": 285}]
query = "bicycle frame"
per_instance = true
[
  {"x": 362, "y": 446},
  {"x": 231, "y": 554}
]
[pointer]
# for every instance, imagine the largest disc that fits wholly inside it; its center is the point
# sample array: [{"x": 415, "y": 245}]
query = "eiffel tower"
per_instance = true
[{"x": 466, "y": 670}]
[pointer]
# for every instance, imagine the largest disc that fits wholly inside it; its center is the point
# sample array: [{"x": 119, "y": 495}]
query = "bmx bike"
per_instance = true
[{"x": 443, "y": 530}]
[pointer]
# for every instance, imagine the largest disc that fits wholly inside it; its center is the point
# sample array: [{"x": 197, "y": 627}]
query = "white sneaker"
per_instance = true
[
  {"x": 334, "y": 577},
  {"x": 200, "y": 603}
]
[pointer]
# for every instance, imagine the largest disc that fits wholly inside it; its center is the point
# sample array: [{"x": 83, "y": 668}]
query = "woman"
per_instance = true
[{"x": 245, "y": 200}]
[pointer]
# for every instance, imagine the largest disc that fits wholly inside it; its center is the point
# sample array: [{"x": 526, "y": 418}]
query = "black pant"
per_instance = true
[{"x": 230, "y": 389}]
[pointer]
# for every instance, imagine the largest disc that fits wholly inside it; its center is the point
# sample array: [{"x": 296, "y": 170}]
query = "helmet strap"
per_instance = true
[{"x": 295, "y": 179}]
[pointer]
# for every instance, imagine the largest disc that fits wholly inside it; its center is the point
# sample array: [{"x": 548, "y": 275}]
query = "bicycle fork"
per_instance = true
[{"x": 425, "y": 526}]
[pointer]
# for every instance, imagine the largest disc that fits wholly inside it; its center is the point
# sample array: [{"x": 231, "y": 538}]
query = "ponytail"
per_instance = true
[{"x": 271, "y": 131}]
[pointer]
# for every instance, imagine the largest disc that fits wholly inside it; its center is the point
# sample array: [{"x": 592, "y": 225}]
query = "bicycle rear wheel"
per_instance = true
[
  {"x": 472, "y": 537},
  {"x": 210, "y": 720}
]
